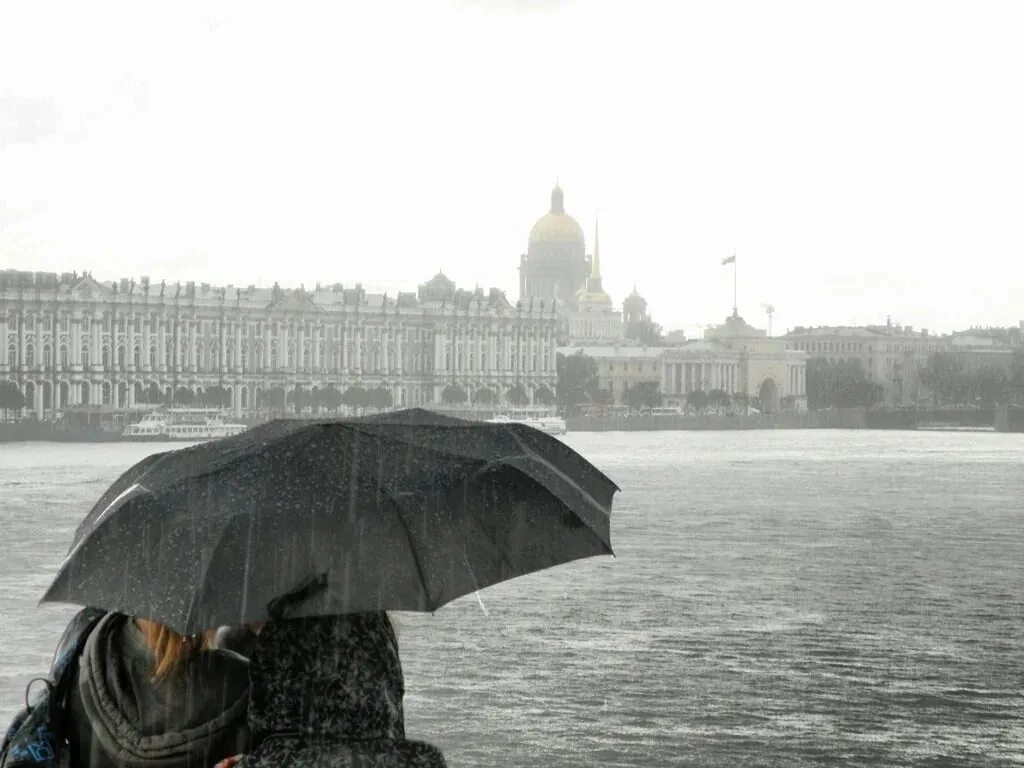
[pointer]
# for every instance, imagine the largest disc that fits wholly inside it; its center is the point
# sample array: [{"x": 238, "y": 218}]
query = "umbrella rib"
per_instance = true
[{"x": 412, "y": 550}]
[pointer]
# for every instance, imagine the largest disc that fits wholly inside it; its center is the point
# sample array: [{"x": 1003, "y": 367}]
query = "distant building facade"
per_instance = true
[
  {"x": 740, "y": 360},
  {"x": 622, "y": 367},
  {"x": 70, "y": 340},
  {"x": 891, "y": 355}
]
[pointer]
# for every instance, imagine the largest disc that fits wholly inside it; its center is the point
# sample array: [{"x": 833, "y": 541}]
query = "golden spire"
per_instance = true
[{"x": 595, "y": 265}]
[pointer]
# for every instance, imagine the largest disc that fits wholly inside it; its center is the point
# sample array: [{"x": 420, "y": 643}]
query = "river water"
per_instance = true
[{"x": 779, "y": 598}]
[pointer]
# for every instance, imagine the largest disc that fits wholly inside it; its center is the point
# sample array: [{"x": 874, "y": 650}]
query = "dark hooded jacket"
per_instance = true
[
  {"x": 122, "y": 718},
  {"x": 327, "y": 693}
]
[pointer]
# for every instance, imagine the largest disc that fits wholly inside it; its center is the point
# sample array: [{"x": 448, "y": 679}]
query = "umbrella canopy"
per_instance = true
[{"x": 405, "y": 511}]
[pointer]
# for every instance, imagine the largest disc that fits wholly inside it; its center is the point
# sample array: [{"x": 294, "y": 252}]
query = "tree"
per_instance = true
[
  {"x": 719, "y": 399},
  {"x": 184, "y": 396},
  {"x": 298, "y": 398},
  {"x": 379, "y": 398},
  {"x": 484, "y": 396},
  {"x": 646, "y": 332},
  {"x": 453, "y": 394},
  {"x": 843, "y": 384},
  {"x": 577, "y": 381},
  {"x": 697, "y": 399},
  {"x": 990, "y": 385},
  {"x": 1017, "y": 374},
  {"x": 355, "y": 397},
  {"x": 543, "y": 395},
  {"x": 943, "y": 374},
  {"x": 330, "y": 398},
  {"x": 517, "y": 394},
  {"x": 11, "y": 397},
  {"x": 645, "y": 394},
  {"x": 278, "y": 399}
]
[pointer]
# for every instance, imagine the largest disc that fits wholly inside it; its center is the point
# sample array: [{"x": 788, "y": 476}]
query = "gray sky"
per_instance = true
[{"x": 862, "y": 159}]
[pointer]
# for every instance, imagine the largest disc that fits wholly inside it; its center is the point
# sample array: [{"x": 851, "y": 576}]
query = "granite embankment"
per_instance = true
[{"x": 841, "y": 418}]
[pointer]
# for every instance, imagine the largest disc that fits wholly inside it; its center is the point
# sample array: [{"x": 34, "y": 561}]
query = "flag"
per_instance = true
[{"x": 730, "y": 260}]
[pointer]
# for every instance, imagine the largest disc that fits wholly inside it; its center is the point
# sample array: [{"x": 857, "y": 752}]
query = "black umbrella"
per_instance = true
[{"x": 405, "y": 511}]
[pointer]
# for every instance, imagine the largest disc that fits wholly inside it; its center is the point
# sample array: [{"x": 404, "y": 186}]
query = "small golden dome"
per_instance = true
[{"x": 586, "y": 297}]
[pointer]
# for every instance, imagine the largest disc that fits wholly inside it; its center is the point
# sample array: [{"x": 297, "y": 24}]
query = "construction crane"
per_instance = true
[{"x": 770, "y": 309}]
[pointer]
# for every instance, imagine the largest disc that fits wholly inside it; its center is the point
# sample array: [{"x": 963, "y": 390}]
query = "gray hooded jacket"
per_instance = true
[{"x": 121, "y": 718}]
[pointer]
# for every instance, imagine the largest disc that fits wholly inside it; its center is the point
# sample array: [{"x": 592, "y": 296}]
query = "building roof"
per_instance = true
[{"x": 615, "y": 351}]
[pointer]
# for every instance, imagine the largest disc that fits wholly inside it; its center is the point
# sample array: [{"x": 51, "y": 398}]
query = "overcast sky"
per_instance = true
[{"x": 862, "y": 159}]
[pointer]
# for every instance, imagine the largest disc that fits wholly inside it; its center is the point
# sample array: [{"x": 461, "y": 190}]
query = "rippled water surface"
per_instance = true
[{"x": 783, "y": 598}]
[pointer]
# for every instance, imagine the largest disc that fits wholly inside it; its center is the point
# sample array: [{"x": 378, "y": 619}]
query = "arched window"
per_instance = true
[
  {"x": 30, "y": 355},
  {"x": 63, "y": 358},
  {"x": 85, "y": 355},
  {"x": 12, "y": 356},
  {"x": 47, "y": 356},
  {"x": 106, "y": 358}
]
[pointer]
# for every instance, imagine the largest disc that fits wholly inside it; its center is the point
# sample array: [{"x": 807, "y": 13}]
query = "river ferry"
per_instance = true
[
  {"x": 553, "y": 425},
  {"x": 181, "y": 424}
]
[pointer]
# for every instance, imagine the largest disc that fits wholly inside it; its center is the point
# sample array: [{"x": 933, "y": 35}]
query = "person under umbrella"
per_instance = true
[
  {"x": 146, "y": 697},
  {"x": 327, "y": 692},
  {"x": 355, "y": 517}
]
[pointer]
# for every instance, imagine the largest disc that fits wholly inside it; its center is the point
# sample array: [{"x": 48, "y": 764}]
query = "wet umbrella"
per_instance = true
[{"x": 404, "y": 511}]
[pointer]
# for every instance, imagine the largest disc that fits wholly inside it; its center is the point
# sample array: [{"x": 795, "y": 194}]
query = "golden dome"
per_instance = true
[
  {"x": 556, "y": 226},
  {"x": 599, "y": 298}
]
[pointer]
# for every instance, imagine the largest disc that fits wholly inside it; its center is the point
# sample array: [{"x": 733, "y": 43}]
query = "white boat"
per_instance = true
[
  {"x": 553, "y": 425},
  {"x": 192, "y": 424}
]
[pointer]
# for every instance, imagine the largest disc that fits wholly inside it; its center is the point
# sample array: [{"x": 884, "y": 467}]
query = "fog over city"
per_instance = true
[{"x": 861, "y": 160}]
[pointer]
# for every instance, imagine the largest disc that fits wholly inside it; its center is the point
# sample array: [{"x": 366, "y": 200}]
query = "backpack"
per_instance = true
[{"x": 37, "y": 737}]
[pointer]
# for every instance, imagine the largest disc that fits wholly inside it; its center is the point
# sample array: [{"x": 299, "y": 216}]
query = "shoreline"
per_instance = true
[{"x": 995, "y": 420}]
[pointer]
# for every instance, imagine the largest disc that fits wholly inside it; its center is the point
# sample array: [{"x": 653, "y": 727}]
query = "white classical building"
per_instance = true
[
  {"x": 740, "y": 360},
  {"x": 75, "y": 341}
]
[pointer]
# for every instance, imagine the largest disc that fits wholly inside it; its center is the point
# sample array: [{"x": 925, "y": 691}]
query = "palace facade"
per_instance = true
[{"x": 72, "y": 340}]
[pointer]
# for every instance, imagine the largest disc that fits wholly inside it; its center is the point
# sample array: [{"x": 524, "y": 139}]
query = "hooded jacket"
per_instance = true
[
  {"x": 327, "y": 693},
  {"x": 122, "y": 718}
]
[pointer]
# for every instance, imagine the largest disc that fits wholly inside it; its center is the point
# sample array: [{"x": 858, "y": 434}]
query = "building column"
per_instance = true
[
  {"x": 346, "y": 334},
  {"x": 399, "y": 332},
  {"x": 3, "y": 341},
  {"x": 238, "y": 350},
  {"x": 316, "y": 349},
  {"x": 190, "y": 357}
]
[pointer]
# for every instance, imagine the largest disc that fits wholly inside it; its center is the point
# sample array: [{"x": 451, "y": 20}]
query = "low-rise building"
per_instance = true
[
  {"x": 621, "y": 367},
  {"x": 891, "y": 355}
]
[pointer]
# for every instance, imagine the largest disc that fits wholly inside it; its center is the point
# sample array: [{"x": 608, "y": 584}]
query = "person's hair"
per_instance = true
[{"x": 170, "y": 649}]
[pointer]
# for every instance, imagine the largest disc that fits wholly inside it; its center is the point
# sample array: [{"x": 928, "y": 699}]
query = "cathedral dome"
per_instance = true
[{"x": 556, "y": 226}]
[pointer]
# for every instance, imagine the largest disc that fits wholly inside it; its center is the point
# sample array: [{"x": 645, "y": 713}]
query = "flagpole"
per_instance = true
[{"x": 735, "y": 303}]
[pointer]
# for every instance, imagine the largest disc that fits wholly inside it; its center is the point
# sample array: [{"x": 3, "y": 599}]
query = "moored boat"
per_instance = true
[
  {"x": 552, "y": 425},
  {"x": 192, "y": 424}
]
